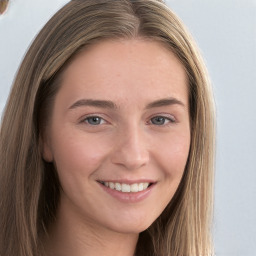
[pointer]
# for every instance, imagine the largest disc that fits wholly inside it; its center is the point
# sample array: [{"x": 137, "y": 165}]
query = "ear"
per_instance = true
[{"x": 46, "y": 150}]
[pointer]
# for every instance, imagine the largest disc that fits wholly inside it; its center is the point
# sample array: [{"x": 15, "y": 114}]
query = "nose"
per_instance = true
[{"x": 131, "y": 150}]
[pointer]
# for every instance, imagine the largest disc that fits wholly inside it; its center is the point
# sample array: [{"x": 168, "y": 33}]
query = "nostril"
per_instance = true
[{"x": 3, "y": 6}]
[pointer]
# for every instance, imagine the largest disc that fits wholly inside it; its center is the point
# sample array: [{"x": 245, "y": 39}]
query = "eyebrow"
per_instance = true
[
  {"x": 165, "y": 102},
  {"x": 94, "y": 103},
  {"x": 111, "y": 105}
]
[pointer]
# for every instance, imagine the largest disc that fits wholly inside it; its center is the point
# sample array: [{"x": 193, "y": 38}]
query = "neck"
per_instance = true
[{"x": 70, "y": 235}]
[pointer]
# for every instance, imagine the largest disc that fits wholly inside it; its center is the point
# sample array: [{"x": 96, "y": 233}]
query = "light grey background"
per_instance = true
[{"x": 226, "y": 33}]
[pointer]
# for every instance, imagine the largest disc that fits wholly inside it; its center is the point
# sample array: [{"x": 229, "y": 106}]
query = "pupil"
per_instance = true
[
  {"x": 94, "y": 120},
  {"x": 158, "y": 120}
]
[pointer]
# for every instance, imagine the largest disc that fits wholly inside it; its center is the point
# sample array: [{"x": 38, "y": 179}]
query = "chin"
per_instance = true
[{"x": 131, "y": 227}]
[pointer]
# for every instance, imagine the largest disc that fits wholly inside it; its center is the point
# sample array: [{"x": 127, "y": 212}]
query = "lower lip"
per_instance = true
[{"x": 129, "y": 197}]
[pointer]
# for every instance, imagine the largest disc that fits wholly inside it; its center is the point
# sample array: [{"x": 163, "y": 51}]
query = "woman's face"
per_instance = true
[{"x": 119, "y": 134}]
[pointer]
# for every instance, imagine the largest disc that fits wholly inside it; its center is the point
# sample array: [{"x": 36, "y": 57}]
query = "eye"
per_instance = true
[
  {"x": 161, "y": 120},
  {"x": 94, "y": 120}
]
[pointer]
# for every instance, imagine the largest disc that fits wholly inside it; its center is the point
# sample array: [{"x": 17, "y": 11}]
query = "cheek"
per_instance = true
[
  {"x": 77, "y": 156},
  {"x": 173, "y": 155},
  {"x": 170, "y": 159}
]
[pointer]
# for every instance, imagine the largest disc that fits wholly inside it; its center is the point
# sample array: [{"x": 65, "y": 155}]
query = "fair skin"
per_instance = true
[{"x": 120, "y": 123}]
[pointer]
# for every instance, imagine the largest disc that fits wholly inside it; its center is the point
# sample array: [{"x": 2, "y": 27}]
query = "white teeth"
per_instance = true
[
  {"x": 140, "y": 186},
  {"x": 145, "y": 185},
  {"x": 126, "y": 188},
  {"x": 118, "y": 186},
  {"x": 134, "y": 187},
  {"x": 111, "y": 185}
]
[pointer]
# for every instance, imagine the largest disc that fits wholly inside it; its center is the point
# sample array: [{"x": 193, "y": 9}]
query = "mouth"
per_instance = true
[{"x": 126, "y": 188}]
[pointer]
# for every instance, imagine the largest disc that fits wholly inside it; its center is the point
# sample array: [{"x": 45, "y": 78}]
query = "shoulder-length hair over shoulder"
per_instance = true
[{"x": 29, "y": 187}]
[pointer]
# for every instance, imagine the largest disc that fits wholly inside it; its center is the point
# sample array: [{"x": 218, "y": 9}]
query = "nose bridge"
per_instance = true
[{"x": 131, "y": 148}]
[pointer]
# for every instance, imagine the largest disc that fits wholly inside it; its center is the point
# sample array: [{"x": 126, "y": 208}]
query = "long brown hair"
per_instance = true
[{"x": 29, "y": 187}]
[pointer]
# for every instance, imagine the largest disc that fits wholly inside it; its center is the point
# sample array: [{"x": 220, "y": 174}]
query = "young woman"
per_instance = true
[{"x": 107, "y": 139}]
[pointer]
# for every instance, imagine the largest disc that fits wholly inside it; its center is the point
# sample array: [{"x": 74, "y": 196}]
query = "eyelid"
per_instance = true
[
  {"x": 85, "y": 117},
  {"x": 168, "y": 116}
]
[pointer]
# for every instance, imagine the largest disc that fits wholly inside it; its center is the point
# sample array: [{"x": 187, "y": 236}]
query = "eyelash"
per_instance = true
[
  {"x": 167, "y": 120},
  {"x": 86, "y": 120}
]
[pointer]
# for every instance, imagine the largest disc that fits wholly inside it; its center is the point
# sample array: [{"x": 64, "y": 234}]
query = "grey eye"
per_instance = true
[
  {"x": 3, "y": 6},
  {"x": 93, "y": 120},
  {"x": 159, "y": 120},
  {"x": 162, "y": 120}
]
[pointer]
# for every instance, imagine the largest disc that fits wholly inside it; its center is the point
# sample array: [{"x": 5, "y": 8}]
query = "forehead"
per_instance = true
[{"x": 117, "y": 68}]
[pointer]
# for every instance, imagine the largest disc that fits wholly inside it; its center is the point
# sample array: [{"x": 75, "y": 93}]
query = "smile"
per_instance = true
[{"x": 126, "y": 188}]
